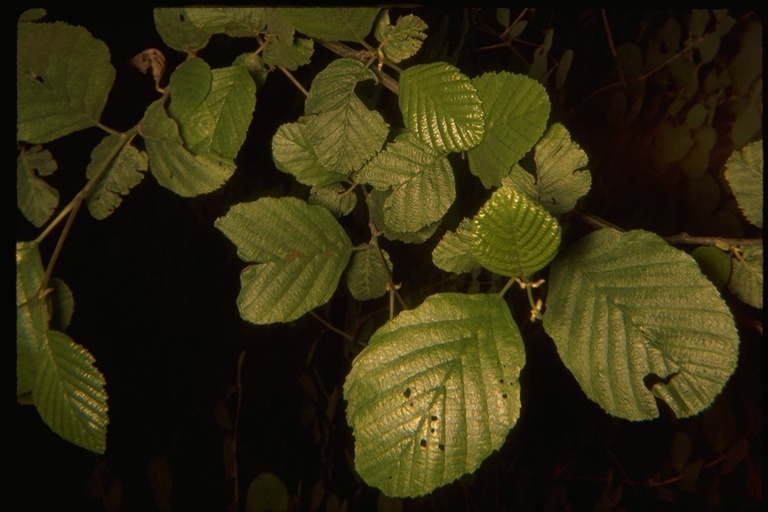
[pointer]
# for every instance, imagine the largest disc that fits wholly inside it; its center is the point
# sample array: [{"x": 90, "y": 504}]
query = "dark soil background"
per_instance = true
[{"x": 155, "y": 287}]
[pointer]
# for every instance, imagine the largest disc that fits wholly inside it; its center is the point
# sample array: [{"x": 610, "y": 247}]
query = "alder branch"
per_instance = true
[{"x": 345, "y": 51}]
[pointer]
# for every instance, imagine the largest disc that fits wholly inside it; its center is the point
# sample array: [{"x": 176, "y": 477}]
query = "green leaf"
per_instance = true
[
  {"x": 126, "y": 168},
  {"x": 36, "y": 199},
  {"x": 376, "y": 201},
  {"x": 454, "y": 251},
  {"x": 516, "y": 110},
  {"x": 69, "y": 393},
  {"x": 232, "y": 21},
  {"x": 174, "y": 167},
  {"x": 63, "y": 79},
  {"x": 366, "y": 277},
  {"x": 219, "y": 124},
  {"x": 62, "y": 305},
  {"x": 434, "y": 393},
  {"x": 293, "y": 153},
  {"x": 714, "y": 263},
  {"x": 344, "y": 133},
  {"x": 441, "y": 107},
  {"x": 178, "y": 31},
  {"x": 332, "y": 23},
  {"x": 421, "y": 179},
  {"x": 561, "y": 174},
  {"x": 747, "y": 276},
  {"x": 189, "y": 86},
  {"x": 32, "y": 314},
  {"x": 267, "y": 493},
  {"x": 333, "y": 198},
  {"x": 299, "y": 253},
  {"x": 634, "y": 319},
  {"x": 513, "y": 236},
  {"x": 744, "y": 173},
  {"x": 282, "y": 49},
  {"x": 402, "y": 40}
]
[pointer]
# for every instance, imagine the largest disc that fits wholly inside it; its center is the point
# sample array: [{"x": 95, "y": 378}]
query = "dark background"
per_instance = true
[{"x": 155, "y": 286}]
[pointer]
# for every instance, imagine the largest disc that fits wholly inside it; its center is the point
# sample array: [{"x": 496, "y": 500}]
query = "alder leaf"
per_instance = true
[
  {"x": 744, "y": 173},
  {"x": 513, "y": 236},
  {"x": 334, "y": 198},
  {"x": 454, "y": 251},
  {"x": 332, "y": 23},
  {"x": 434, "y": 393},
  {"x": 172, "y": 165},
  {"x": 366, "y": 277},
  {"x": 63, "y": 79},
  {"x": 747, "y": 276},
  {"x": 344, "y": 133},
  {"x": 561, "y": 174},
  {"x": 36, "y": 199},
  {"x": 282, "y": 49},
  {"x": 298, "y": 253},
  {"x": 516, "y": 110},
  {"x": 421, "y": 179},
  {"x": 218, "y": 125},
  {"x": 69, "y": 393},
  {"x": 126, "y": 169},
  {"x": 401, "y": 40},
  {"x": 634, "y": 319},
  {"x": 293, "y": 153},
  {"x": 234, "y": 22},
  {"x": 441, "y": 107},
  {"x": 32, "y": 314},
  {"x": 178, "y": 31}
]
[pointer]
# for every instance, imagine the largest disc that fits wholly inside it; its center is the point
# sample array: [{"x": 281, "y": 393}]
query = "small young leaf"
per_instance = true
[
  {"x": 69, "y": 393},
  {"x": 366, "y": 277},
  {"x": 421, "y": 179},
  {"x": 513, "y": 236},
  {"x": 744, "y": 173},
  {"x": 516, "y": 111},
  {"x": 561, "y": 177},
  {"x": 634, "y": 319},
  {"x": 333, "y": 198},
  {"x": 454, "y": 251},
  {"x": 747, "y": 276},
  {"x": 172, "y": 165},
  {"x": 63, "y": 78},
  {"x": 189, "y": 85},
  {"x": 402, "y": 40},
  {"x": 298, "y": 252},
  {"x": 126, "y": 170},
  {"x": 332, "y": 23},
  {"x": 441, "y": 107},
  {"x": 36, "y": 199},
  {"x": 434, "y": 393}
]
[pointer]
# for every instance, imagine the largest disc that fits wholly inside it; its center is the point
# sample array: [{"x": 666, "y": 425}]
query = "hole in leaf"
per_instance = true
[
  {"x": 442, "y": 447},
  {"x": 504, "y": 395},
  {"x": 432, "y": 430},
  {"x": 411, "y": 404},
  {"x": 652, "y": 379},
  {"x": 40, "y": 79},
  {"x": 423, "y": 443},
  {"x": 501, "y": 381},
  {"x": 433, "y": 418},
  {"x": 407, "y": 392}
]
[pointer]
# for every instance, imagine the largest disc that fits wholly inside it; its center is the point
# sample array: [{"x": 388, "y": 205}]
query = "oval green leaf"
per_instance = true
[
  {"x": 634, "y": 319},
  {"x": 513, "y": 236},
  {"x": 299, "y": 250},
  {"x": 441, "y": 107},
  {"x": 434, "y": 393}
]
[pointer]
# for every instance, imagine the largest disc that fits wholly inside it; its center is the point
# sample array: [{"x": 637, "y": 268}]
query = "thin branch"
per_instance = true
[
  {"x": 332, "y": 327},
  {"x": 294, "y": 81},
  {"x": 685, "y": 238},
  {"x": 612, "y": 47}
]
